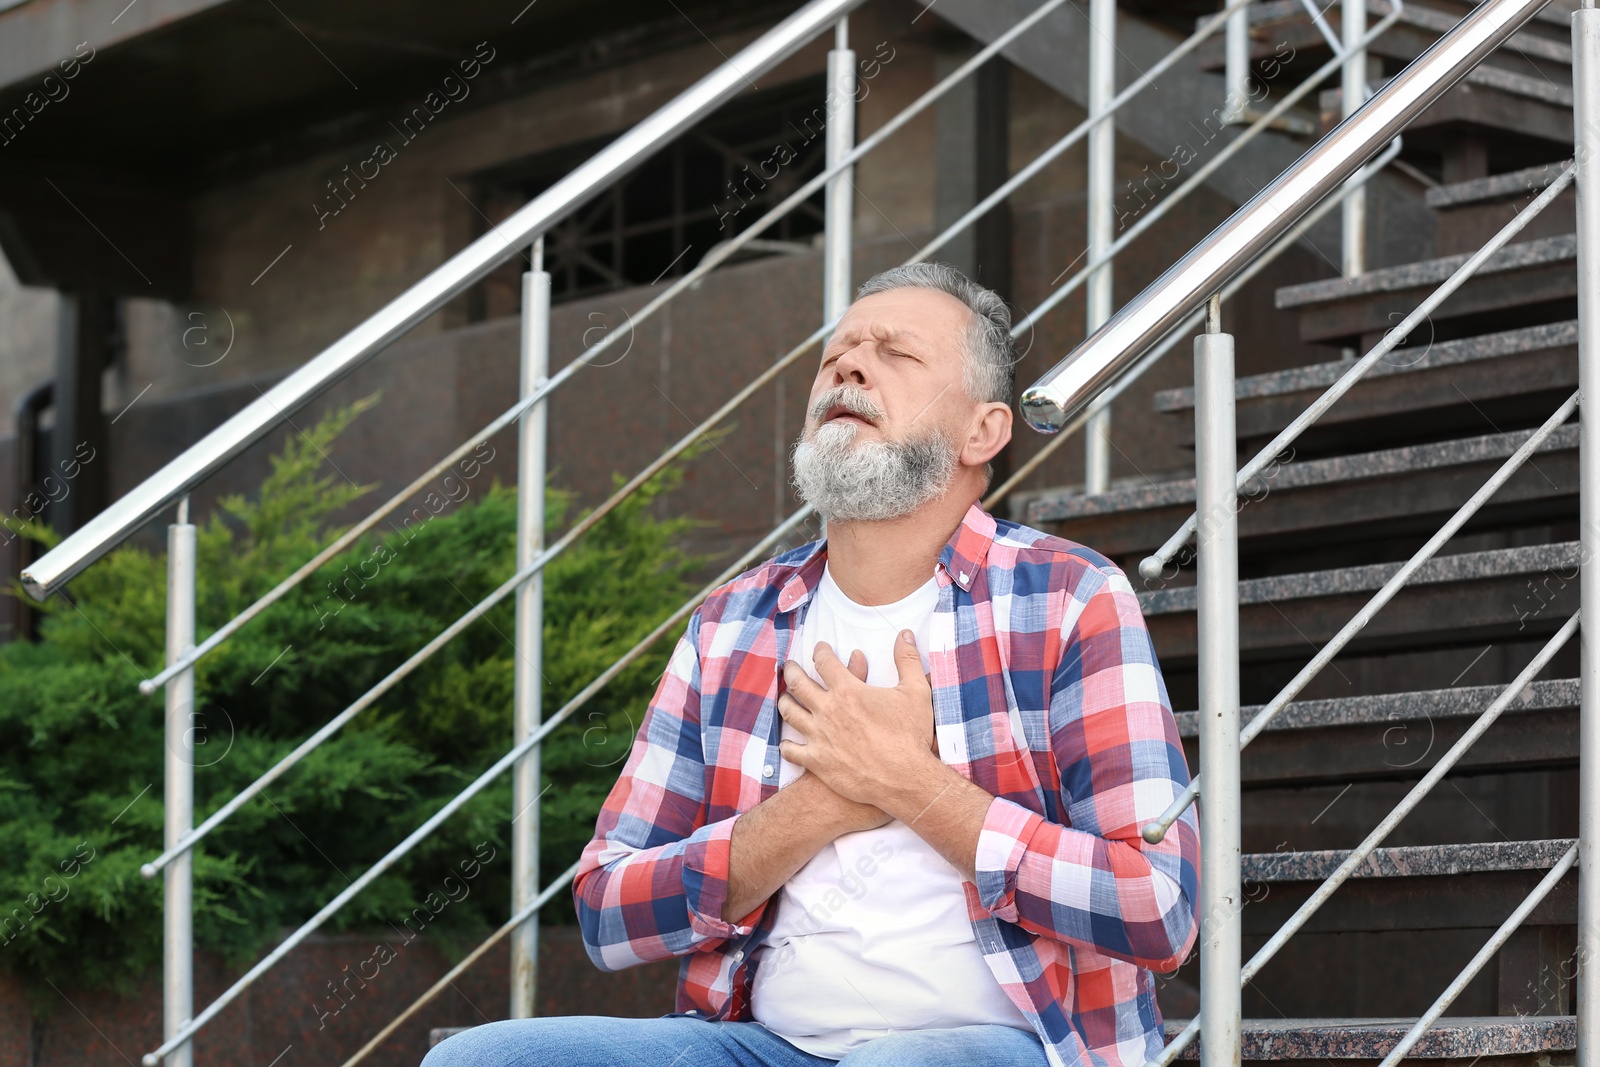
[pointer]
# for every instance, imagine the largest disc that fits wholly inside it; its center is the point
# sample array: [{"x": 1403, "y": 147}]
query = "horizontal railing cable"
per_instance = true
[
  {"x": 114, "y": 524},
  {"x": 713, "y": 259},
  {"x": 1481, "y": 959},
  {"x": 434, "y": 821},
  {"x": 149, "y": 870},
  {"x": 1152, "y": 565},
  {"x": 1197, "y": 179},
  {"x": 1154, "y": 831},
  {"x": 463, "y": 966},
  {"x": 1359, "y": 854},
  {"x": 1078, "y": 132},
  {"x": 1187, "y": 326}
]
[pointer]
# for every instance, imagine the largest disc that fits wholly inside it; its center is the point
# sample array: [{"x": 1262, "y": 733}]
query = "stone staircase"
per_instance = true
[{"x": 1328, "y": 524}]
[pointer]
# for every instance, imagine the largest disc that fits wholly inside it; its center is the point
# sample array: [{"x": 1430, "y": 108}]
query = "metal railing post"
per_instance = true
[
  {"x": 1586, "y": 135},
  {"x": 528, "y": 678},
  {"x": 177, "y": 907},
  {"x": 1353, "y": 27},
  {"x": 1221, "y": 898},
  {"x": 1236, "y": 68},
  {"x": 839, "y": 197},
  {"x": 1102, "y": 175}
]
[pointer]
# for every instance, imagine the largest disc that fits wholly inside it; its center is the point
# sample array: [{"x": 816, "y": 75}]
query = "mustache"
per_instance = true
[{"x": 852, "y": 398}]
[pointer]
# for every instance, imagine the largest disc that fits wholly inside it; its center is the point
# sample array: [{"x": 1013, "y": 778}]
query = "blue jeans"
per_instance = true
[{"x": 680, "y": 1040}]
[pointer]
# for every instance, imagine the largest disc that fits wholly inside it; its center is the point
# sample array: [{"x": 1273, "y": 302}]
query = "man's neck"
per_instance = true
[{"x": 881, "y": 562}]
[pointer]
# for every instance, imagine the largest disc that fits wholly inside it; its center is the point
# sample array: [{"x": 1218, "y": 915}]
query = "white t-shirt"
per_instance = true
[{"x": 872, "y": 935}]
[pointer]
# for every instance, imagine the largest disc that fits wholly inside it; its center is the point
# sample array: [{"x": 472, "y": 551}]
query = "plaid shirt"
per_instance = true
[{"x": 1046, "y": 692}]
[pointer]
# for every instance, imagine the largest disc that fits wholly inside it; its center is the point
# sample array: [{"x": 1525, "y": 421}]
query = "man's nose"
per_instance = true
[{"x": 851, "y": 367}]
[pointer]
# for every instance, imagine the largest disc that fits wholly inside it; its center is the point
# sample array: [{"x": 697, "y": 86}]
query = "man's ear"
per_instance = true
[{"x": 989, "y": 432}]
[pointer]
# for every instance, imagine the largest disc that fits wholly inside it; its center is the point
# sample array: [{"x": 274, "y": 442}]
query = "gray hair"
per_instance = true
[{"x": 989, "y": 348}]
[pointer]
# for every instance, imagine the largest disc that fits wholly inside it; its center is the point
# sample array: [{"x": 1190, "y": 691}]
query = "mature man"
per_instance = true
[{"x": 886, "y": 802}]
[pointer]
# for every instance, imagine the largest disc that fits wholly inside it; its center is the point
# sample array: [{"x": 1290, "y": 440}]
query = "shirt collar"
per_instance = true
[{"x": 961, "y": 557}]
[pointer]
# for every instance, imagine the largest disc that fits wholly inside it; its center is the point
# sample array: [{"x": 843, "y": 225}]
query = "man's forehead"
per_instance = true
[{"x": 895, "y": 315}]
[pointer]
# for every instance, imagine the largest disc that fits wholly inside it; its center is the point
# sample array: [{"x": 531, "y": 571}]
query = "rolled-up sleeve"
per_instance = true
[{"x": 1096, "y": 882}]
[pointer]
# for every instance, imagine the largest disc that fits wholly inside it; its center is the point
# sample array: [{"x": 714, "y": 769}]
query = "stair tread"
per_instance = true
[
  {"x": 1279, "y": 11},
  {"x": 1407, "y": 861},
  {"x": 1495, "y": 187},
  {"x": 1062, "y": 505},
  {"x": 1441, "y": 354},
  {"x": 1450, "y": 1037},
  {"x": 1545, "y": 250},
  {"x": 1467, "y": 566},
  {"x": 1463, "y": 702}
]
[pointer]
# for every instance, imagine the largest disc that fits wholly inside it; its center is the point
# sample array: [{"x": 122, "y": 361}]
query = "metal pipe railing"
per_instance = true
[
  {"x": 1359, "y": 854},
  {"x": 109, "y": 528},
  {"x": 1183, "y": 329},
  {"x": 723, "y": 251},
  {"x": 1070, "y": 386},
  {"x": 1157, "y": 829},
  {"x": 528, "y": 633},
  {"x": 1152, "y": 565},
  {"x": 1586, "y": 144},
  {"x": 433, "y": 822},
  {"x": 1212, "y": 165},
  {"x": 464, "y": 965},
  {"x": 1482, "y": 957},
  {"x": 149, "y": 870}
]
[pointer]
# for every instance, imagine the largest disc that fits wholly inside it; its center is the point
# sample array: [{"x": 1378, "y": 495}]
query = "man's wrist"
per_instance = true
[{"x": 908, "y": 793}]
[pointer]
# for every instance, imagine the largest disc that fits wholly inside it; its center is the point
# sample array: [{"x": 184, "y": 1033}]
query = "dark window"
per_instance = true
[{"x": 659, "y": 221}]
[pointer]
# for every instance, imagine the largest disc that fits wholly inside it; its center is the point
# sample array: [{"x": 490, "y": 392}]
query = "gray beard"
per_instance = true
[{"x": 872, "y": 481}]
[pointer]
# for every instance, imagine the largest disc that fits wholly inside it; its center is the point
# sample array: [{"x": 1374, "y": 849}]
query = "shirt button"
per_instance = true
[
  {"x": 766, "y": 772},
  {"x": 737, "y": 956},
  {"x": 691, "y": 1011}
]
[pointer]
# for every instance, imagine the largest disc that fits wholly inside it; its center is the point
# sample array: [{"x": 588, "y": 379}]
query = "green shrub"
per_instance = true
[{"x": 81, "y": 749}]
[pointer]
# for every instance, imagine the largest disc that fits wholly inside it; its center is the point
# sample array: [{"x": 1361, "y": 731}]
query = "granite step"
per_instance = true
[
  {"x": 1402, "y": 735},
  {"x": 1452, "y": 601},
  {"x": 1471, "y": 212},
  {"x": 1494, "y": 102},
  {"x": 1337, "y": 501},
  {"x": 1417, "y": 887},
  {"x": 1486, "y": 1039},
  {"x": 1524, "y": 284},
  {"x": 1418, "y": 392}
]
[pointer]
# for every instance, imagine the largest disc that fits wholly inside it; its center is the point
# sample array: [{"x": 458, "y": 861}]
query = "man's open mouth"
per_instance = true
[{"x": 839, "y": 411}]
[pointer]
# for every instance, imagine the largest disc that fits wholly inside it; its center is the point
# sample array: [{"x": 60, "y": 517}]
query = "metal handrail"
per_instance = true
[
  {"x": 1156, "y": 830},
  {"x": 1481, "y": 958},
  {"x": 1074, "y": 382},
  {"x": 434, "y": 821},
  {"x": 1187, "y": 326},
  {"x": 328, "y": 729},
  {"x": 1152, "y": 565},
  {"x": 117, "y": 522},
  {"x": 714, "y": 258},
  {"x": 1359, "y": 854}
]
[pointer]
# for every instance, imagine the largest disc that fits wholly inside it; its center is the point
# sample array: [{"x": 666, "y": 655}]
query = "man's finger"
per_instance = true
[
  {"x": 793, "y": 751},
  {"x": 795, "y": 714},
  {"x": 858, "y": 665},
  {"x": 800, "y": 684},
  {"x": 909, "y": 661},
  {"x": 832, "y": 669}
]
